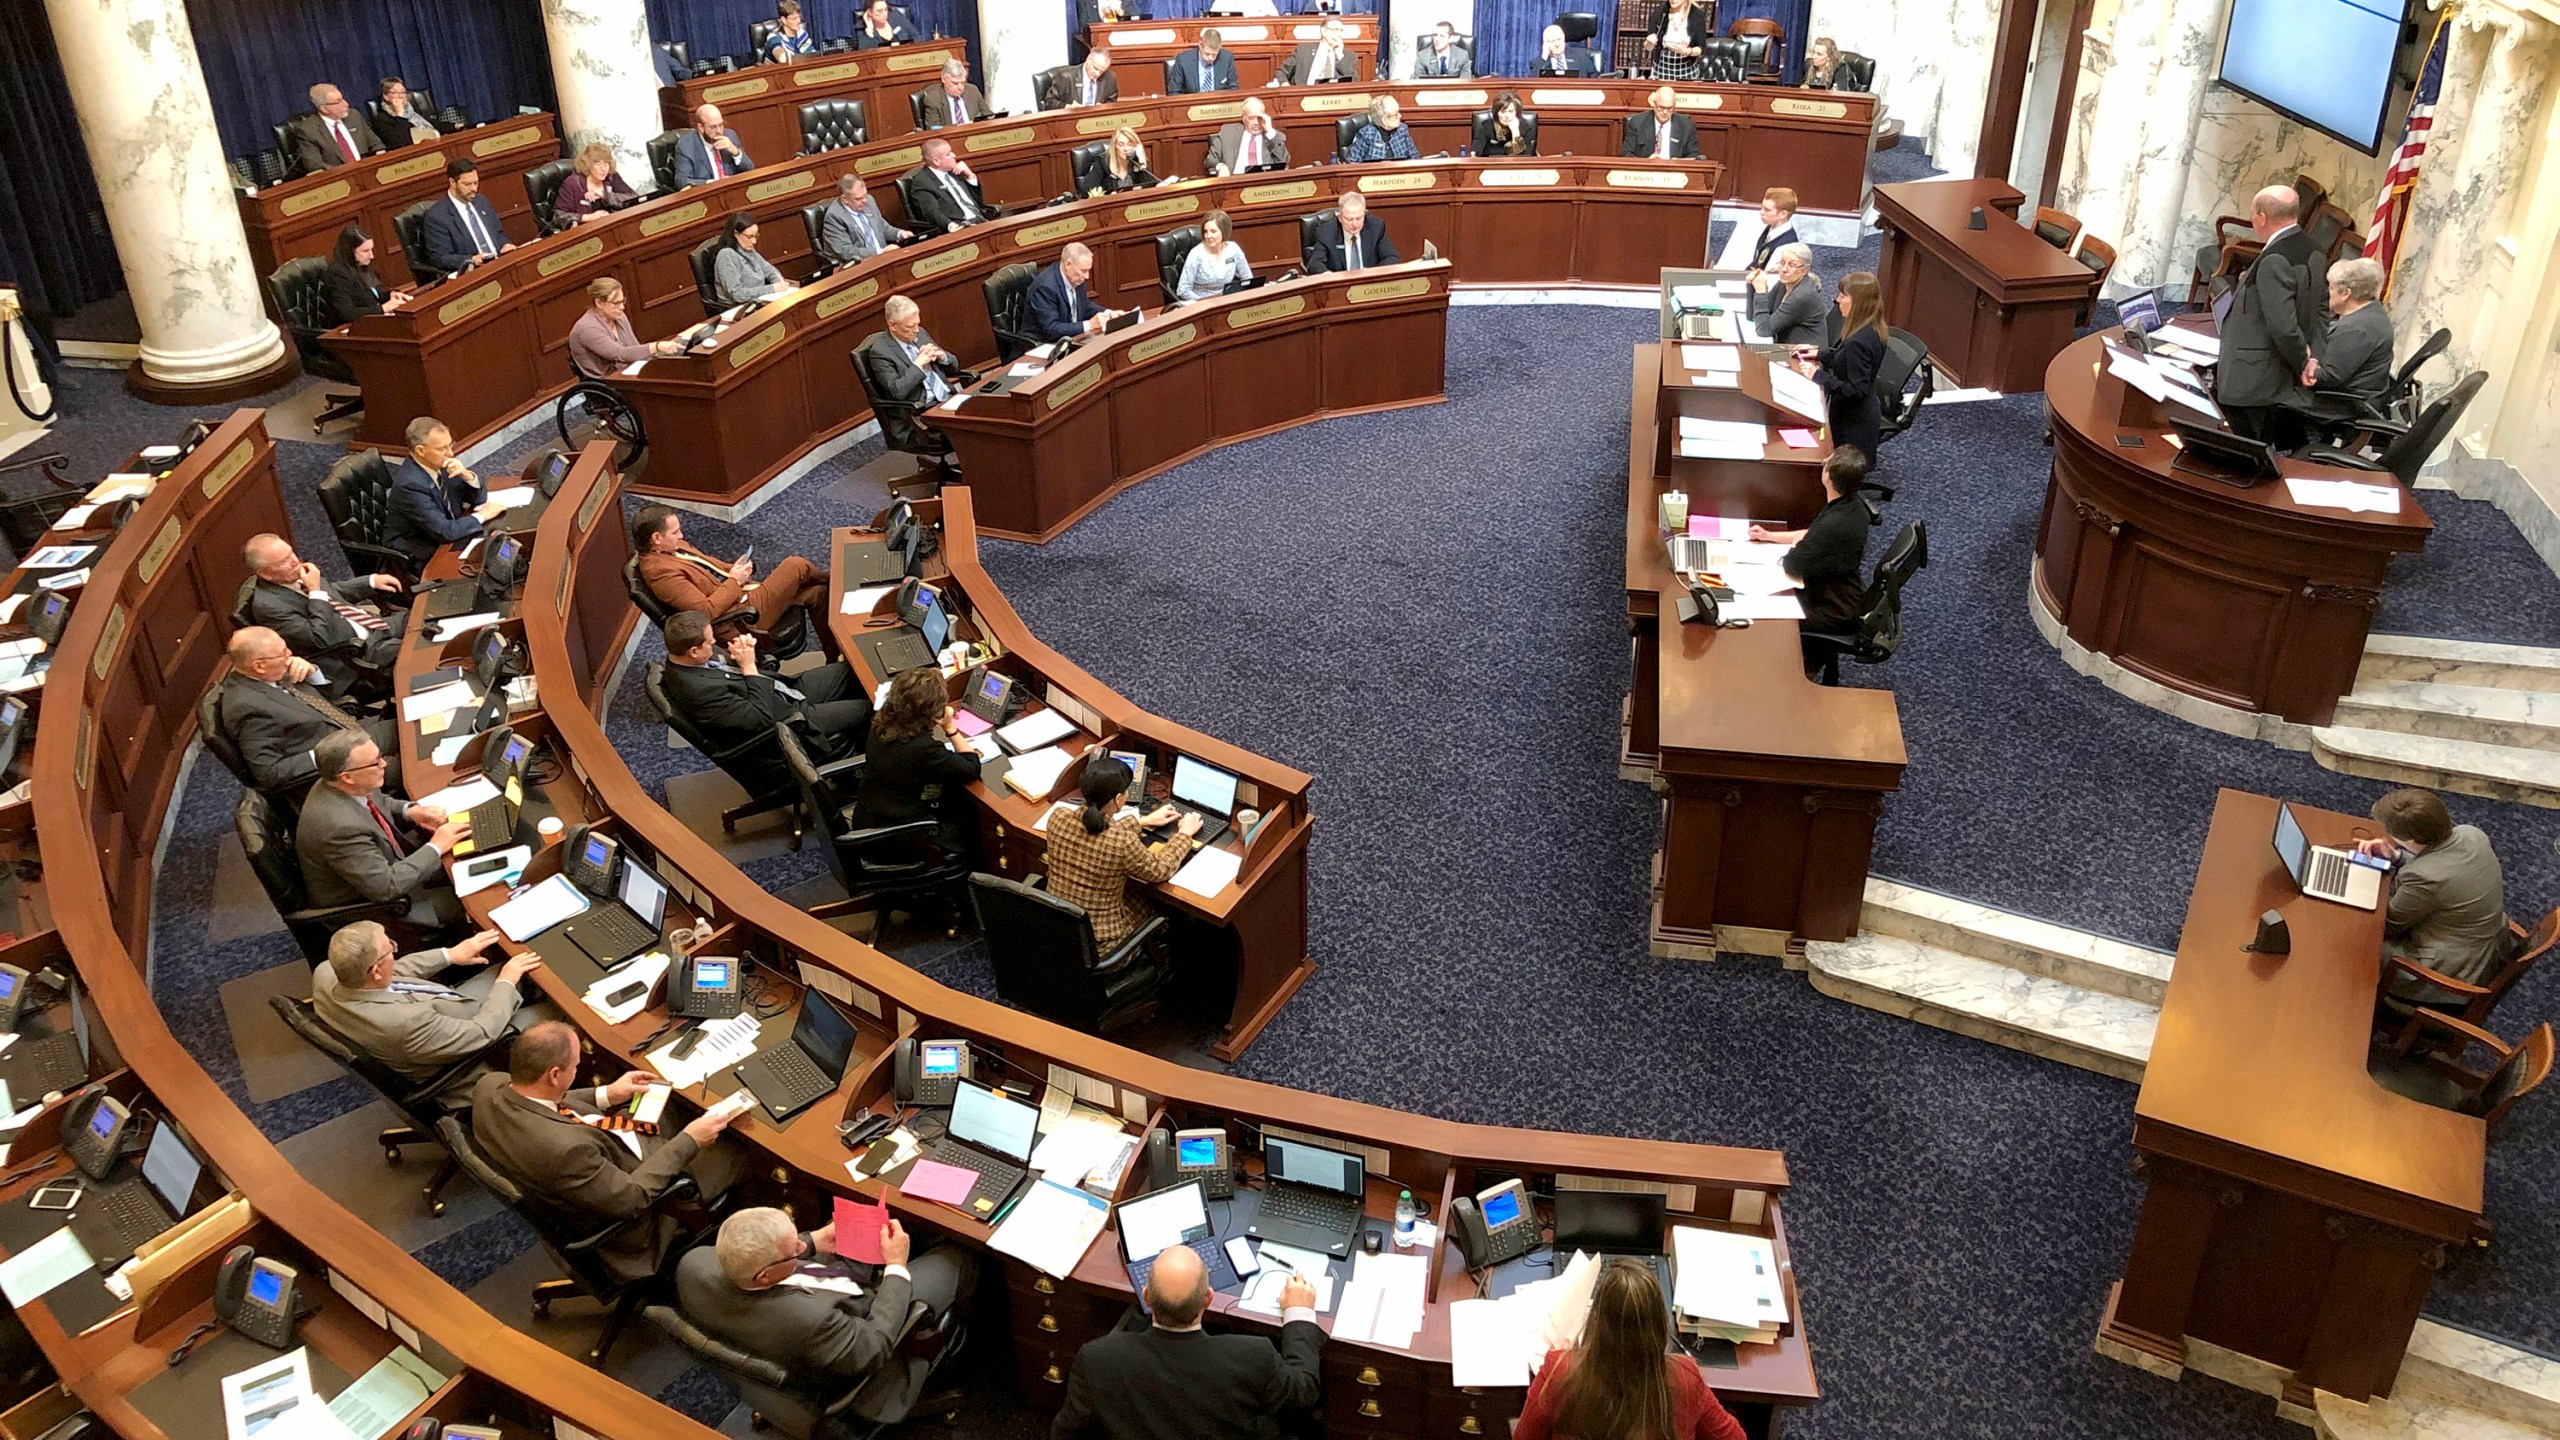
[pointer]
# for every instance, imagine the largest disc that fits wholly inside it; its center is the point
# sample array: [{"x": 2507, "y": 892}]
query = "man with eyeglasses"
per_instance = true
[{"x": 358, "y": 844}]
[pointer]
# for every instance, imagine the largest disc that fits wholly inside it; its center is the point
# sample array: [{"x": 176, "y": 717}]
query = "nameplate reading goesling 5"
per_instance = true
[
  {"x": 1326, "y": 104},
  {"x": 847, "y": 298},
  {"x": 479, "y": 299},
  {"x": 1268, "y": 310},
  {"x": 1815, "y": 109},
  {"x": 110, "y": 636},
  {"x": 1002, "y": 139},
  {"x": 229, "y": 468},
  {"x": 782, "y": 185},
  {"x": 330, "y": 193},
  {"x": 1074, "y": 385},
  {"x": 665, "y": 221},
  {"x": 1520, "y": 177},
  {"x": 1387, "y": 290},
  {"x": 157, "y": 553},
  {"x": 736, "y": 89},
  {"x": 1105, "y": 124},
  {"x": 1697, "y": 100},
  {"x": 1169, "y": 340},
  {"x": 1649, "y": 179},
  {"x": 416, "y": 165},
  {"x": 1159, "y": 209},
  {"x": 803, "y": 76},
  {"x": 1395, "y": 184},
  {"x": 1052, "y": 230},
  {"x": 1217, "y": 110},
  {"x": 507, "y": 140},
  {"x": 901, "y": 159},
  {"x": 1287, "y": 190},
  {"x": 756, "y": 344},
  {"x": 578, "y": 254},
  {"x": 951, "y": 259}
]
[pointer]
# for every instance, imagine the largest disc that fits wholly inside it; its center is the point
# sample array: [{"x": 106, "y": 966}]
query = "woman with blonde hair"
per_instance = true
[
  {"x": 1622, "y": 1381},
  {"x": 1123, "y": 167},
  {"x": 1821, "y": 62},
  {"x": 592, "y": 191},
  {"x": 1678, "y": 42}
]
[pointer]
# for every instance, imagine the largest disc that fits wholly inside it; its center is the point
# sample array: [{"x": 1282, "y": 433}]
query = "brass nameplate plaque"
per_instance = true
[
  {"x": 507, "y": 140},
  {"x": 103, "y": 659},
  {"x": 1217, "y": 110},
  {"x": 1159, "y": 209},
  {"x": 1816, "y": 109},
  {"x": 1053, "y": 230},
  {"x": 1649, "y": 179},
  {"x": 80, "y": 753},
  {"x": 1326, "y": 104},
  {"x": 803, "y": 76},
  {"x": 578, "y": 254},
  {"x": 1076, "y": 384},
  {"x": 1434, "y": 95},
  {"x": 329, "y": 194},
  {"x": 1002, "y": 139},
  {"x": 756, "y": 344},
  {"x": 1520, "y": 177},
  {"x": 409, "y": 169},
  {"x": 1568, "y": 97},
  {"x": 157, "y": 553},
  {"x": 480, "y": 299},
  {"x": 847, "y": 298},
  {"x": 736, "y": 90},
  {"x": 900, "y": 60},
  {"x": 905, "y": 158},
  {"x": 929, "y": 266},
  {"x": 229, "y": 468},
  {"x": 1286, "y": 190},
  {"x": 1397, "y": 184},
  {"x": 1167, "y": 36},
  {"x": 1387, "y": 290},
  {"x": 791, "y": 184},
  {"x": 666, "y": 220},
  {"x": 1697, "y": 100},
  {"x": 1169, "y": 340},
  {"x": 1268, "y": 310},
  {"x": 593, "y": 505},
  {"x": 1105, "y": 124}
]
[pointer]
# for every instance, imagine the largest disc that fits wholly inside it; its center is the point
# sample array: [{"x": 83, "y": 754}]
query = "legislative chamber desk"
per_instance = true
[
  {"x": 477, "y": 350},
  {"x": 1992, "y": 304},
  {"x": 762, "y": 102},
  {"x": 2295, "y": 1210},
  {"x": 2241, "y": 596},
  {"x": 1773, "y": 784},
  {"x": 1259, "y": 44},
  {"x": 303, "y": 217}
]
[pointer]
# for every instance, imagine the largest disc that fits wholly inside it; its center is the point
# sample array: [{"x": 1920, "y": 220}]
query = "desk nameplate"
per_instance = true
[
  {"x": 1695, "y": 101},
  {"x": 952, "y": 259},
  {"x": 904, "y": 158},
  {"x": 1171, "y": 340},
  {"x": 1003, "y": 139},
  {"x": 1333, "y": 104},
  {"x": 157, "y": 553},
  {"x": 736, "y": 90},
  {"x": 1105, "y": 124},
  {"x": 900, "y": 61},
  {"x": 480, "y": 299},
  {"x": 845, "y": 299},
  {"x": 1174, "y": 37},
  {"x": 684, "y": 214},
  {"x": 1810, "y": 109},
  {"x": 1648, "y": 180},
  {"x": 329, "y": 194},
  {"x": 791, "y": 184},
  {"x": 1286, "y": 190},
  {"x": 1269, "y": 310},
  {"x": 578, "y": 254},
  {"x": 1376, "y": 291},
  {"x": 592, "y": 506},
  {"x": 1398, "y": 184},
  {"x": 409, "y": 169},
  {"x": 1160, "y": 209},
  {"x": 110, "y": 640},
  {"x": 1454, "y": 99},
  {"x": 507, "y": 140},
  {"x": 230, "y": 467},
  {"x": 1217, "y": 110},
  {"x": 1074, "y": 385},
  {"x": 804, "y": 76},
  {"x": 1042, "y": 234},
  {"x": 745, "y": 351},
  {"x": 1520, "y": 179},
  {"x": 1568, "y": 97}
]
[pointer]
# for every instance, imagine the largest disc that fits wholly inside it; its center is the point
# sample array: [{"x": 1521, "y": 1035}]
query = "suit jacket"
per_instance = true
[
  {"x": 1054, "y": 309},
  {"x": 1848, "y": 381},
  {"x": 2278, "y": 313},
  {"x": 582, "y": 1169},
  {"x": 895, "y": 377},
  {"x": 934, "y": 211},
  {"x": 2355, "y": 364},
  {"x": 1458, "y": 64},
  {"x": 900, "y": 33},
  {"x": 1764, "y": 251},
  {"x": 311, "y": 148},
  {"x": 1578, "y": 60},
  {"x": 811, "y": 1333},
  {"x": 1639, "y": 136},
  {"x": 728, "y": 708},
  {"x": 417, "y": 1034},
  {"x": 937, "y": 105},
  {"x": 1185, "y": 79},
  {"x": 411, "y": 129},
  {"x": 1060, "y": 87},
  {"x": 1228, "y": 144},
  {"x": 1331, "y": 253},
  {"x": 1157, "y": 1384},
  {"x": 693, "y": 159},
  {"x": 274, "y": 727},
  {"x": 314, "y": 629},
  {"x": 688, "y": 585},
  {"x": 346, "y": 859},
  {"x": 1299, "y": 68},
  {"x": 1791, "y": 317},
  {"x": 348, "y": 294},
  {"x": 450, "y": 245},
  {"x": 2449, "y": 908},
  {"x": 429, "y": 510},
  {"x": 841, "y": 240}
]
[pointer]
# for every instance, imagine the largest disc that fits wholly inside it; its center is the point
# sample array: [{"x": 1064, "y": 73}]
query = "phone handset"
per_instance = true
[
  {"x": 93, "y": 1130},
  {"x": 929, "y": 1072},
  {"x": 257, "y": 1297}
]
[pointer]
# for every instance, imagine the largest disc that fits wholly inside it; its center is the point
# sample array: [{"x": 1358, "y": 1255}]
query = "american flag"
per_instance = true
[{"x": 2391, "y": 212}]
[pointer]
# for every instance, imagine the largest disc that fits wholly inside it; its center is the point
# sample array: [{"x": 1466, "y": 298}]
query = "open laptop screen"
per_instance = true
[
  {"x": 170, "y": 1168},
  {"x": 1314, "y": 1166},
  {"x": 643, "y": 894},
  {"x": 989, "y": 1121},
  {"x": 2292, "y": 846},
  {"x": 1150, "y": 1224},
  {"x": 1206, "y": 786},
  {"x": 1618, "y": 1222},
  {"x": 824, "y": 1033}
]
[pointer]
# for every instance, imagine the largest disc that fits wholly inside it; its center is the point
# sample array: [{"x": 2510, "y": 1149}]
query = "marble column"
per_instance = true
[
  {"x": 1933, "y": 65},
  {"x": 2133, "y": 125},
  {"x": 1017, "y": 39},
  {"x": 149, "y": 129},
  {"x": 1410, "y": 20},
  {"x": 607, "y": 77}
]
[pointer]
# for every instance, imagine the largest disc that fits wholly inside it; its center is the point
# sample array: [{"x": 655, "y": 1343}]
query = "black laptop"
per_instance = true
[
  {"x": 891, "y": 557},
  {"x": 1615, "y": 1222},
  {"x": 991, "y": 1137},
  {"x": 788, "y": 1079},
  {"x": 116, "y": 1219},
  {"x": 1311, "y": 1197},
  {"x": 1177, "y": 1215},
  {"x": 611, "y": 934},
  {"x": 915, "y": 642},
  {"x": 1204, "y": 790}
]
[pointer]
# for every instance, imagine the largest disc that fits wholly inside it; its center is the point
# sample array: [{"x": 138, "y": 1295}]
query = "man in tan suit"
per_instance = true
[
  {"x": 554, "y": 1141},
  {"x": 389, "y": 1006},
  {"x": 683, "y": 578}
]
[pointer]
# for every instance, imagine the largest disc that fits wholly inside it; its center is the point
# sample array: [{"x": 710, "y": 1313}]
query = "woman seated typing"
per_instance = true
[
  {"x": 592, "y": 191},
  {"x": 739, "y": 274},
  {"x": 1828, "y": 557},
  {"x": 1093, "y": 857},
  {"x": 351, "y": 289},
  {"x": 1215, "y": 264},
  {"x": 908, "y": 772},
  {"x": 1786, "y": 303}
]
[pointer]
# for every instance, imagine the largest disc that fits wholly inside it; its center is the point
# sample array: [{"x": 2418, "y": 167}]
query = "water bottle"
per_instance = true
[{"x": 1404, "y": 1219}]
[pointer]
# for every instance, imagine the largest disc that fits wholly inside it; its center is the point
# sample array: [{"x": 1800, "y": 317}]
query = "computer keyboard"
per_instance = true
[
  {"x": 493, "y": 825},
  {"x": 40, "y": 1067},
  {"x": 2328, "y": 872},
  {"x": 611, "y": 930},
  {"x": 995, "y": 1176},
  {"x": 126, "y": 1211},
  {"x": 1315, "y": 1209},
  {"x": 1213, "y": 1263},
  {"x": 790, "y": 1071},
  {"x": 1211, "y": 827},
  {"x": 902, "y": 650}
]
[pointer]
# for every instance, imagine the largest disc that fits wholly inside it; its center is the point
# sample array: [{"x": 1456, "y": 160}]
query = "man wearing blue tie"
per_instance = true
[
  {"x": 464, "y": 230},
  {"x": 390, "y": 1005},
  {"x": 1204, "y": 68},
  {"x": 851, "y": 229},
  {"x": 1057, "y": 303}
]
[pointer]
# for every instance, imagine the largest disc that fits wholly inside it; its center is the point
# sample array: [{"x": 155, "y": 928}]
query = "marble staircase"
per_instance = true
[
  {"x": 2454, "y": 1386},
  {"x": 2478, "y": 719}
]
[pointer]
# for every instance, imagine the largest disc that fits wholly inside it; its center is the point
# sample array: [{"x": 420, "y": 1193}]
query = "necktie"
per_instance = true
[
  {"x": 959, "y": 110},
  {"x": 936, "y": 389},
  {"x": 364, "y": 624},
  {"x": 346, "y": 144},
  {"x": 335, "y": 716},
  {"x": 609, "y": 1122},
  {"x": 384, "y": 821},
  {"x": 968, "y": 207},
  {"x": 1351, "y": 244},
  {"x": 870, "y": 237},
  {"x": 425, "y": 987},
  {"x": 1662, "y": 140},
  {"x": 479, "y": 234},
  {"x": 713, "y": 150},
  {"x": 1204, "y": 77},
  {"x": 1252, "y": 150}
]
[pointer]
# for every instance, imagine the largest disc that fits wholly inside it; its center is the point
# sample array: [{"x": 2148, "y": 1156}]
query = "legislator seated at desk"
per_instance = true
[
  {"x": 436, "y": 500},
  {"x": 1093, "y": 857},
  {"x": 910, "y": 772},
  {"x": 1787, "y": 301},
  {"x": 1441, "y": 57},
  {"x": 330, "y": 136},
  {"x": 1504, "y": 129},
  {"x": 740, "y": 274},
  {"x": 2448, "y": 907},
  {"x": 1174, "y": 1378},
  {"x": 734, "y": 702},
  {"x": 1659, "y": 130},
  {"x": 1248, "y": 142},
  {"x": 350, "y": 288},
  {"x": 1216, "y": 265},
  {"x": 1556, "y": 58},
  {"x": 1090, "y": 83},
  {"x": 1828, "y": 557},
  {"x": 396, "y": 120},
  {"x": 951, "y": 99},
  {"x": 2350, "y": 370},
  {"x": 274, "y": 718},
  {"x": 462, "y": 230},
  {"x": 1384, "y": 137},
  {"x": 332, "y": 625},
  {"x": 943, "y": 193},
  {"x": 1122, "y": 165},
  {"x": 594, "y": 190},
  {"x": 1324, "y": 61},
  {"x": 903, "y": 366},
  {"x": 709, "y": 151},
  {"x": 358, "y": 844},
  {"x": 684, "y": 578},
  {"x": 881, "y": 27},
  {"x": 395, "y": 1009},
  {"x": 791, "y": 37},
  {"x": 1203, "y": 68},
  {"x": 1846, "y": 370},
  {"x": 852, "y": 228},
  {"x": 603, "y": 341},
  {"x": 2279, "y": 308},
  {"x": 1057, "y": 305},
  {"x": 1350, "y": 239},
  {"x": 1619, "y": 1379}
]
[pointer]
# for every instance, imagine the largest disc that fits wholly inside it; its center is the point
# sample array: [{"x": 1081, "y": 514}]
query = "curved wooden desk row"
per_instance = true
[
  {"x": 303, "y": 217},
  {"x": 2244, "y": 597},
  {"x": 476, "y": 350},
  {"x": 762, "y": 102},
  {"x": 140, "y": 647},
  {"x": 1139, "y": 48}
]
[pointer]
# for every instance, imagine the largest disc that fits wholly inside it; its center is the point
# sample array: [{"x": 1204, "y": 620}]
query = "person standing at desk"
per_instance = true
[
  {"x": 908, "y": 772},
  {"x": 2278, "y": 312},
  {"x": 1093, "y": 857},
  {"x": 1175, "y": 1379},
  {"x": 1829, "y": 555},
  {"x": 1847, "y": 370},
  {"x": 2448, "y": 896},
  {"x": 1624, "y": 1379}
]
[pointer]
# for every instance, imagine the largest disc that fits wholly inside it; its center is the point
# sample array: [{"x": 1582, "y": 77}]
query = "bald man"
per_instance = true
[
  {"x": 2279, "y": 313},
  {"x": 1058, "y": 305},
  {"x": 330, "y": 136},
  {"x": 275, "y": 718},
  {"x": 1174, "y": 1379},
  {"x": 709, "y": 151},
  {"x": 336, "y": 626}
]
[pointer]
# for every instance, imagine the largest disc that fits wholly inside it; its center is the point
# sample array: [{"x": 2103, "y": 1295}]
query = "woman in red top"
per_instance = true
[{"x": 1621, "y": 1383}]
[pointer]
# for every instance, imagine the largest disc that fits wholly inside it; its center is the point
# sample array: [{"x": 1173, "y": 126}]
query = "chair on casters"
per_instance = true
[
  {"x": 902, "y": 429},
  {"x": 410, "y": 227},
  {"x": 416, "y": 1100},
  {"x": 883, "y": 867},
  {"x": 832, "y": 125},
  {"x": 2472, "y": 1004},
  {"x": 795, "y": 1407},
  {"x": 295, "y": 290},
  {"x": 2400, "y": 402},
  {"x": 2405, "y": 448},
  {"x": 356, "y": 495},
  {"x": 757, "y": 765},
  {"x": 704, "y": 258},
  {"x": 271, "y": 858},
  {"x": 1172, "y": 249},
  {"x": 1046, "y": 960},
  {"x": 1879, "y": 627}
]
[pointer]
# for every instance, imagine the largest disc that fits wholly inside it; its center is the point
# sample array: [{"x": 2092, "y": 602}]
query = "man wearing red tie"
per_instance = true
[
  {"x": 332, "y": 135},
  {"x": 357, "y": 843},
  {"x": 1248, "y": 142},
  {"x": 709, "y": 151}
]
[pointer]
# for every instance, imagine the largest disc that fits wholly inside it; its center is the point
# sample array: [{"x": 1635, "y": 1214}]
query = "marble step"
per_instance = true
[
  {"x": 2415, "y": 1417},
  {"x": 2491, "y": 715},
  {"x": 2470, "y": 767},
  {"x": 2482, "y": 1374},
  {"x": 2423, "y": 659},
  {"x": 1987, "y": 1000},
  {"x": 2020, "y": 942}
]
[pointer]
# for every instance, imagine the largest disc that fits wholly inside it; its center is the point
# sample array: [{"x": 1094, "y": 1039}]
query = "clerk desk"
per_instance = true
[
  {"x": 762, "y": 102},
  {"x": 303, "y": 217},
  {"x": 1994, "y": 304},
  {"x": 1139, "y": 48}
]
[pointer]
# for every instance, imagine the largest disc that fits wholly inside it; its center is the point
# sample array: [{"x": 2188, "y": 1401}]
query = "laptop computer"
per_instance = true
[
  {"x": 1178, "y": 1215},
  {"x": 1311, "y": 1197},
  {"x": 34, "y": 1068},
  {"x": 788, "y": 1079},
  {"x": 494, "y": 821},
  {"x": 1616, "y": 1222},
  {"x": 992, "y": 1137},
  {"x": 1204, "y": 790},
  {"x": 892, "y": 556},
  {"x": 611, "y": 934},
  {"x": 913, "y": 645},
  {"x": 119, "y": 1218},
  {"x": 2323, "y": 872}
]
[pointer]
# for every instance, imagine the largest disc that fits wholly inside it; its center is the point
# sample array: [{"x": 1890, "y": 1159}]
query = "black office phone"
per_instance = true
[
  {"x": 1174, "y": 1156},
  {"x": 588, "y": 857},
  {"x": 256, "y": 1296},
  {"x": 929, "y": 1072},
  {"x": 708, "y": 987},
  {"x": 990, "y": 696},
  {"x": 13, "y": 996},
  {"x": 93, "y": 1131},
  {"x": 1496, "y": 1224}
]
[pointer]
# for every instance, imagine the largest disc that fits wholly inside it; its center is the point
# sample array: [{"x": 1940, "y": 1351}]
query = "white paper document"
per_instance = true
[
  {"x": 384, "y": 1395},
  {"x": 644, "y": 970},
  {"x": 59, "y": 557},
  {"x": 1715, "y": 380},
  {"x": 75, "y": 517},
  {"x": 1262, "y": 1292},
  {"x": 1051, "y": 1227},
  {"x": 117, "y": 488},
  {"x": 538, "y": 909},
  {"x": 454, "y": 799},
  {"x": 51, "y": 1261},
  {"x": 864, "y": 600},
  {"x": 513, "y": 497},
  {"x": 1798, "y": 393},
  {"x": 724, "y": 1043},
  {"x": 1036, "y": 774},
  {"x": 1694, "y": 428},
  {"x": 451, "y": 696},
  {"x": 1710, "y": 357},
  {"x": 1697, "y": 448},
  {"x": 1762, "y": 607},
  {"x": 456, "y": 625},
  {"x": 2348, "y": 495},
  {"x": 1489, "y": 1344},
  {"x": 1209, "y": 872},
  {"x": 1040, "y": 727},
  {"x": 1726, "y": 1279}
]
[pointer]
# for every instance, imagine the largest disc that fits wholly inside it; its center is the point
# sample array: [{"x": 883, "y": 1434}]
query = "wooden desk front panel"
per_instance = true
[
  {"x": 762, "y": 102},
  {"x": 1996, "y": 304},
  {"x": 303, "y": 217},
  {"x": 1139, "y": 48}
]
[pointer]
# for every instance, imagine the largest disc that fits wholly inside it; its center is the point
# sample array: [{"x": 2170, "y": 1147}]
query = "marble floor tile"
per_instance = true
[
  {"x": 2484, "y": 1374},
  {"x": 2426, "y": 659},
  {"x": 2020, "y": 942},
  {"x": 2105, "y": 1033}
]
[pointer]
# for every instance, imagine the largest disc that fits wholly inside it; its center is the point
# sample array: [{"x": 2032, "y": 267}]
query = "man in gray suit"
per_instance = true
[
  {"x": 1248, "y": 141},
  {"x": 357, "y": 845},
  {"x": 2279, "y": 310},
  {"x": 852, "y": 229},
  {"x": 330, "y": 136},
  {"x": 553, "y": 1140},
  {"x": 2448, "y": 896},
  {"x": 276, "y": 718},
  {"x": 757, "y": 1291},
  {"x": 391, "y": 1007}
]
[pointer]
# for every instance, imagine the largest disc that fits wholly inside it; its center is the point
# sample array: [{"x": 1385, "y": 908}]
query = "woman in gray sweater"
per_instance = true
[
  {"x": 1787, "y": 301},
  {"x": 738, "y": 273}
]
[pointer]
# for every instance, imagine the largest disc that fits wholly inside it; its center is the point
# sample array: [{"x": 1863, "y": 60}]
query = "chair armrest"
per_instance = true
[
  {"x": 425, "y": 1094},
  {"x": 343, "y": 915},
  {"x": 1127, "y": 951},
  {"x": 2467, "y": 1034},
  {"x": 2416, "y": 971},
  {"x": 678, "y": 1191},
  {"x": 917, "y": 1310},
  {"x": 846, "y": 766},
  {"x": 2331, "y": 455}
]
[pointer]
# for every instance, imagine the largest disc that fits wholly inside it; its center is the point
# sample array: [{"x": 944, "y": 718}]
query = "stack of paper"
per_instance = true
[
  {"x": 1051, "y": 1227},
  {"x": 1711, "y": 357},
  {"x": 1727, "y": 1285},
  {"x": 2348, "y": 495},
  {"x": 1797, "y": 393},
  {"x": 119, "y": 487},
  {"x": 1209, "y": 872},
  {"x": 1722, "y": 439},
  {"x": 1039, "y": 728},
  {"x": 1036, "y": 774},
  {"x": 1696, "y": 297},
  {"x": 724, "y": 1043},
  {"x": 1383, "y": 1303},
  {"x": 538, "y": 909},
  {"x": 1262, "y": 1292},
  {"x": 1501, "y": 1342},
  {"x": 1081, "y": 1142}
]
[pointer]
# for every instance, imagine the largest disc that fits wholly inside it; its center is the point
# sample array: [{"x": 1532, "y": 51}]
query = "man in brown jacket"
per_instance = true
[{"x": 683, "y": 578}]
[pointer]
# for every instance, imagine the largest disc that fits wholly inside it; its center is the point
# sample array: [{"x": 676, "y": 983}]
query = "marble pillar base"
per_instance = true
[{"x": 237, "y": 371}]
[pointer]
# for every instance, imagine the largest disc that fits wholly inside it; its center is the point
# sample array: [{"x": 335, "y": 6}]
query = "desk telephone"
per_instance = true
[
  {"x": 929, "y": 1072},
  {"x": 257, "y": 1297},
  {"x": 708, "y": 987},
  {"x": 94, "y": 1126},
  {"x": 588, "y": 859},
  {"x": 1174, "y": 1156},
  {"x": 13, "y": 996},
  {"x": 1499, "y": 1223}
]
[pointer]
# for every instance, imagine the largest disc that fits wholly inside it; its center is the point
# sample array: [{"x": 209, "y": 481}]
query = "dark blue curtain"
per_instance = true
[
  {"x": 719, "y": 27},
  {"x": 1507, "y": 31},
  {"x": 261, "y": 57},
  {"x": 53, "y": 234},
  {"x": 1185, "y": 9}
]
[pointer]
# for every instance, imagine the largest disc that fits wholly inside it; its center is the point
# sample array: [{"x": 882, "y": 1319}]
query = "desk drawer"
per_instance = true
[
  {"x": 1362, "y": 1394},
  {"x": 1471, "y": 1411},
  {"x": 1040, "y": 1373}
]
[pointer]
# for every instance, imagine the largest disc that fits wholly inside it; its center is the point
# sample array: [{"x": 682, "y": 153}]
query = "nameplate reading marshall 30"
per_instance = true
[
  {"x": 1217, "y": 110},
  {"x": 804, "y": 76},
  {"x": 951, "y": 259},
  {"x": 1159, "y": 209},
  {"x": 782, "y": 185},
  {"x": 110, "y": 636},
  {"x": 1387, "y": 290},
  {"x": 1648, "y": 179},
  {"x": 756, "y": 344},
  {"x": 904, "y": 158},
  {"x": 1287, "y": 190},
  {"x": 521, "y": 135},
  {"x": 330, "y": 193},
  {"x": 578, "y": 254},
  {"x": 681, "y": 215},
  {"x": 1076, "y": 384},
  {"x": 480, "y": 299},
  {"x": 1397, "y": 184},
  {"x": 1002, "y": 139},
  {"x": 157, "y": 553},
  {"x": 1816, "y": 109},
  {"x": 416, "y": 165},
  {"x": 1326, "y": 104},
  {"x": 1105, "y": 124},
  {"x": 1053, "y": 230},
  {"x": 736, "y": 89},
  {"x": 846, "y": 299},
  {"x": 1169, "y": 340},
  {"x": 1268, "y": 310},
  {"x": 229, "y": 468}
]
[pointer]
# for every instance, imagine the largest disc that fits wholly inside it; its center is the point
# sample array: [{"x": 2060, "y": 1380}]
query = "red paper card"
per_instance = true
[{"x": 858, "y": 1224}]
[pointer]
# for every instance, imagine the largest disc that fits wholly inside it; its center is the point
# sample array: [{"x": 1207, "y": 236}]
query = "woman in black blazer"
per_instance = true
[
  {"x": 908, "y": 773},
  {"x": 349, "y": 286},
  {"x": 1122, "y": 165},
  {"x": 1847, "y": 370}
]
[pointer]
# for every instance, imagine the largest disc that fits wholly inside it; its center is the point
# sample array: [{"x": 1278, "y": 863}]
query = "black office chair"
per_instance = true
[
  {"x": 1480, "y": 131},
  {"x": 449, "y": 119},
  {"x": 1005, "y": 293},
  {"x": 356, "y": 495},
  {"x": 704, "y": 258},
  {"x": 2402, "y": 449},
  {"x": 576, "y": 1241},
  {"x": 884, "y": 867},
  {"x": 760, "y": 35},
  {"x": 1903, "y": 383},
  {"x": 1724, "y": 62},
  {"x": 906, "y": 189},
  {"x": 265, "y": 839},
  {"x": 542, "y": 187},
  {"x": 1853, "y": 71},
  {"x": 1764, "y": 42},
  {"x": 1879, "y": 626},
  {"x": 284, "y": 142},
  {"x": 902, "y": 426},
  {"x": 270, "y": 168},
  {"x": 297, "y": 291},
  {"x": 1307, "y": 236},
  {"x": 2400, "y": 402},
  {"x": 681, "y": 53},
  {"x": 662, "y": 159},
  {"x": 832, "y": 125},
  {"x": 284, "y": 802},
  {"x": 1051, "y": 87},
  {"x": 418, "y": 1101},
  {"x": 410, "y": 226},
  {"x": 812, "y": 219},
  {"x": 757, "y": 764},
  {"x": 1171, "y": 250},
  {"x": 1346, "y": 129},
  {"x": 1580, "y": 27},
  {"x": 915, "y": 105},
  {"x": 789, "y": 1404},
  {"x": 1046, "y": 961},
  {"x": 1084, "y": 165}
]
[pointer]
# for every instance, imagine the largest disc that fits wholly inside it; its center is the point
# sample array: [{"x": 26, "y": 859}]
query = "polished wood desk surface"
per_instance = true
[
  {"x": 762, "y": 102},
  {"x": 1994, "y": 304},
  {"x": 303, "y": 216},
  {"x": 1258, "y": 45},
  {"x": 2266, "y": 1053},
  {"x": 2006, "y": 259}
]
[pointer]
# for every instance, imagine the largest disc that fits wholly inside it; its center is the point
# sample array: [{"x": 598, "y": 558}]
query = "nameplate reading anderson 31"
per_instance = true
[
  {"x": 1052, "y": 230},
  {"x": 328, "y": 194},
  {"x": 430, "y": 163},
  {"x": 1268, "y": 310},
  {"x": 507, "y": 140},
  {"x": 804, "y": 76},
  {"x": 578, "y": 254},
  {"x": 479, "y": 299},
  {"x": 1286, "y": 190},
  {"x": 845, "y": 299},
  {"x": 229, "y": 468},
  {"x": 667, "y": 220},
  {"x": 782, "y": 185},
  {"x": 951, "y": 259},
  {"x": 737, "y": 90}
]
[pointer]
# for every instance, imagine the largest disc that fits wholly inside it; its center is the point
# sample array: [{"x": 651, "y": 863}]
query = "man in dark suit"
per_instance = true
[
  {"x": 1057, "y": 304},
  {"x": 1204, "y": 67},
  {"x": 952, "y": 100},
  {"x": 1442, "y": 57},
  {"x": 1557, "y": 58},
  {"x": 1349, "y": 240},
  {"x": 435, "y": 499},
  {"x": 852, "y": 229},
  {"x": 903, "y": 364},
  {"x": 276, "y": 719},
  {"x": 1248, "y": 142},
  {"x": 463, "y": 230},
  {"x": 944, "y": 192},
  {"x": 2279, "y": 312},
  {"x": 1659, "y": 131},
  {"x": 358, "y": 844},
  {"x": 709, "y": 151},
  {"x": 751, "y": 1289},
  {"x": 1324, "y": 61},
  {"x": 1173, "y": 1378},
  {"x": 541, "y": 1133},
  {"x": 730, "y": 704},
  {"x": 321, "y": 622},
  {"x": 1090, "y": 83},
  {"x": 332, "y": 135}
]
